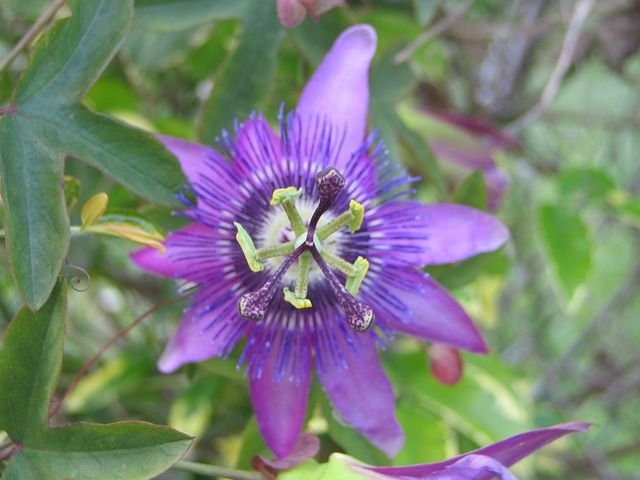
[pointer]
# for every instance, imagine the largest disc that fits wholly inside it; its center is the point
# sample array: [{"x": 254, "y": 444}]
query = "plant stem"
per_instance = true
[
  {"x": 437, "y": 29},
  {"x": 32, "y": 33},
  {"x": 569, "y": 46},
  {"x": 213, "y": 471}
]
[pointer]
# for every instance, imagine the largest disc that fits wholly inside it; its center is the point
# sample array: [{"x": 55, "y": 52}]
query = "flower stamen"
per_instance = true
[
  {"x": 359, "y": 315},
  {"x": 253, "y": 305},
  {"x": 308, "y": 246},
  {"x": 286, "y": 197},
  {"x": 248, "y": 248}
]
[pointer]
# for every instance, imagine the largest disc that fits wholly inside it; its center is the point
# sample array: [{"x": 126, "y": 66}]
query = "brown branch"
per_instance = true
[
  {"x": 32, "y": 33},
  {"x": 438, "y": 28},
  {"x": 578, "y": 17}
]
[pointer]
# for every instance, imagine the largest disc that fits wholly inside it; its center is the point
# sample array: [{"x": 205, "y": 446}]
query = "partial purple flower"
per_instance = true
[
  {"x": 483, "y": 464},
  {"x": 292, "y": 12},
  {"x": 299, "y": 240}
]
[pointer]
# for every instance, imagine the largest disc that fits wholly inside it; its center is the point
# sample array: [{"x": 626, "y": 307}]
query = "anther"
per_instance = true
[
  {"x": 253, "y": 305},
  {"x": 359, "y": 315}
]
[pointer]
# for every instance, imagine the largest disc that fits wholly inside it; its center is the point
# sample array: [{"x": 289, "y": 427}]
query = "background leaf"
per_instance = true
[
  {"x": 177, "y": 15},
  {"x": 246, "y": 78},
  {"x": 566, "y": 241}
]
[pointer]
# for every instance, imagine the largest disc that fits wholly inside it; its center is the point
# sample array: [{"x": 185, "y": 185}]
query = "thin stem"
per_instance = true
[
  {"x": 92, "y": 361},
  {"x": 214, "y": 471},
  {"x": 32, "y": 33},
  {"x": 579, "y": 16},
  {"x": 437, "y": 29}
]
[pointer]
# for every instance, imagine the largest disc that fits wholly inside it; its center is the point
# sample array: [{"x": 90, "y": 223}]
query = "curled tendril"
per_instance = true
[{"x": 76, "y": 282}]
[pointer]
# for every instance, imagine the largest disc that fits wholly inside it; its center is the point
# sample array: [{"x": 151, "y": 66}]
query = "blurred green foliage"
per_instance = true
[{"x": 558, "y": 304}]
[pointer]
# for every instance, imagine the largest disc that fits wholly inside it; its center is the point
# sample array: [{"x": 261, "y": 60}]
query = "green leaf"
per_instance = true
[
  {"x": 484, "y": 405},
  {"x": 30, "y": 359},
  {"x": 566, "y": 241},
  {"x": 427, "y": 437},
  {"x": 245, "y": 80},
  {"x": 36, "y": 223},
  {"x": 593, "y": 184},
  {"x": 46, "y": 121},
  {"x": 390, "y": 83},
  {"x": 177, "y": 15},
  {"x": 425, "y": 10},
  {"x": 472, "y": 191},
  {"x": 192, "y": 411}
]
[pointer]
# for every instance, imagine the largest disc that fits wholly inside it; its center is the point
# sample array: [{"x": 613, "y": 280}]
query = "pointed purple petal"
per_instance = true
[
  {"x": 339, "y": 88},
  {"x": 507, "y": 452},
  {"x": 166, "y": 264},
  {"x": 363, "y": 395},
  {"x": 191, "y": 155},
  {"x": 306, "y": 447},
  {"x": 199, "y": 338},
  {"x": 456, "y": 232},
  {"x": 474, "y": 467},
  {"x": 409, "y": 302},
  {"x": 280, "y": 404},
  {"x": 411, "y": 233}
]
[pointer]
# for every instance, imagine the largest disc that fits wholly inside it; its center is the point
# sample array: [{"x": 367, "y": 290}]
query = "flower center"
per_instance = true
[{"x": 301, "y": 243}]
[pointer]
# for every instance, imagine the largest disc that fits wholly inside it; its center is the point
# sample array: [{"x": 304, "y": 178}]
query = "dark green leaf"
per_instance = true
[
  {"x": 245, "y": 80},
  {"x": 566, "y": 241},
  {"x": 36, "y": 223},
  {"x": 30, "y": 359},
  {"x": 46, "y": 121},
  {"x": 131, "y": 450},
  {"x": 176, "y": 15}
]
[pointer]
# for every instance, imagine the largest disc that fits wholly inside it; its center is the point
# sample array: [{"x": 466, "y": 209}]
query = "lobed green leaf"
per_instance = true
[{"x": 46, "y": 122}]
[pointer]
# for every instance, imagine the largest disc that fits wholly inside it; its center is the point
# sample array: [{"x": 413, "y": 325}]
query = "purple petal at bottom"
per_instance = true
[
  {"x": 280, "y": 404},
  {"x": 474, "y": 467},
  {"x": 362, "y": 394},
  {"x": 507, "y": 452}
]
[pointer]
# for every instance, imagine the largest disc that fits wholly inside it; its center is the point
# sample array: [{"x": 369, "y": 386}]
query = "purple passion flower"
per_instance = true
[
  {"x": 299, "y": 240},
  {"x": 483, "y": 464}
]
